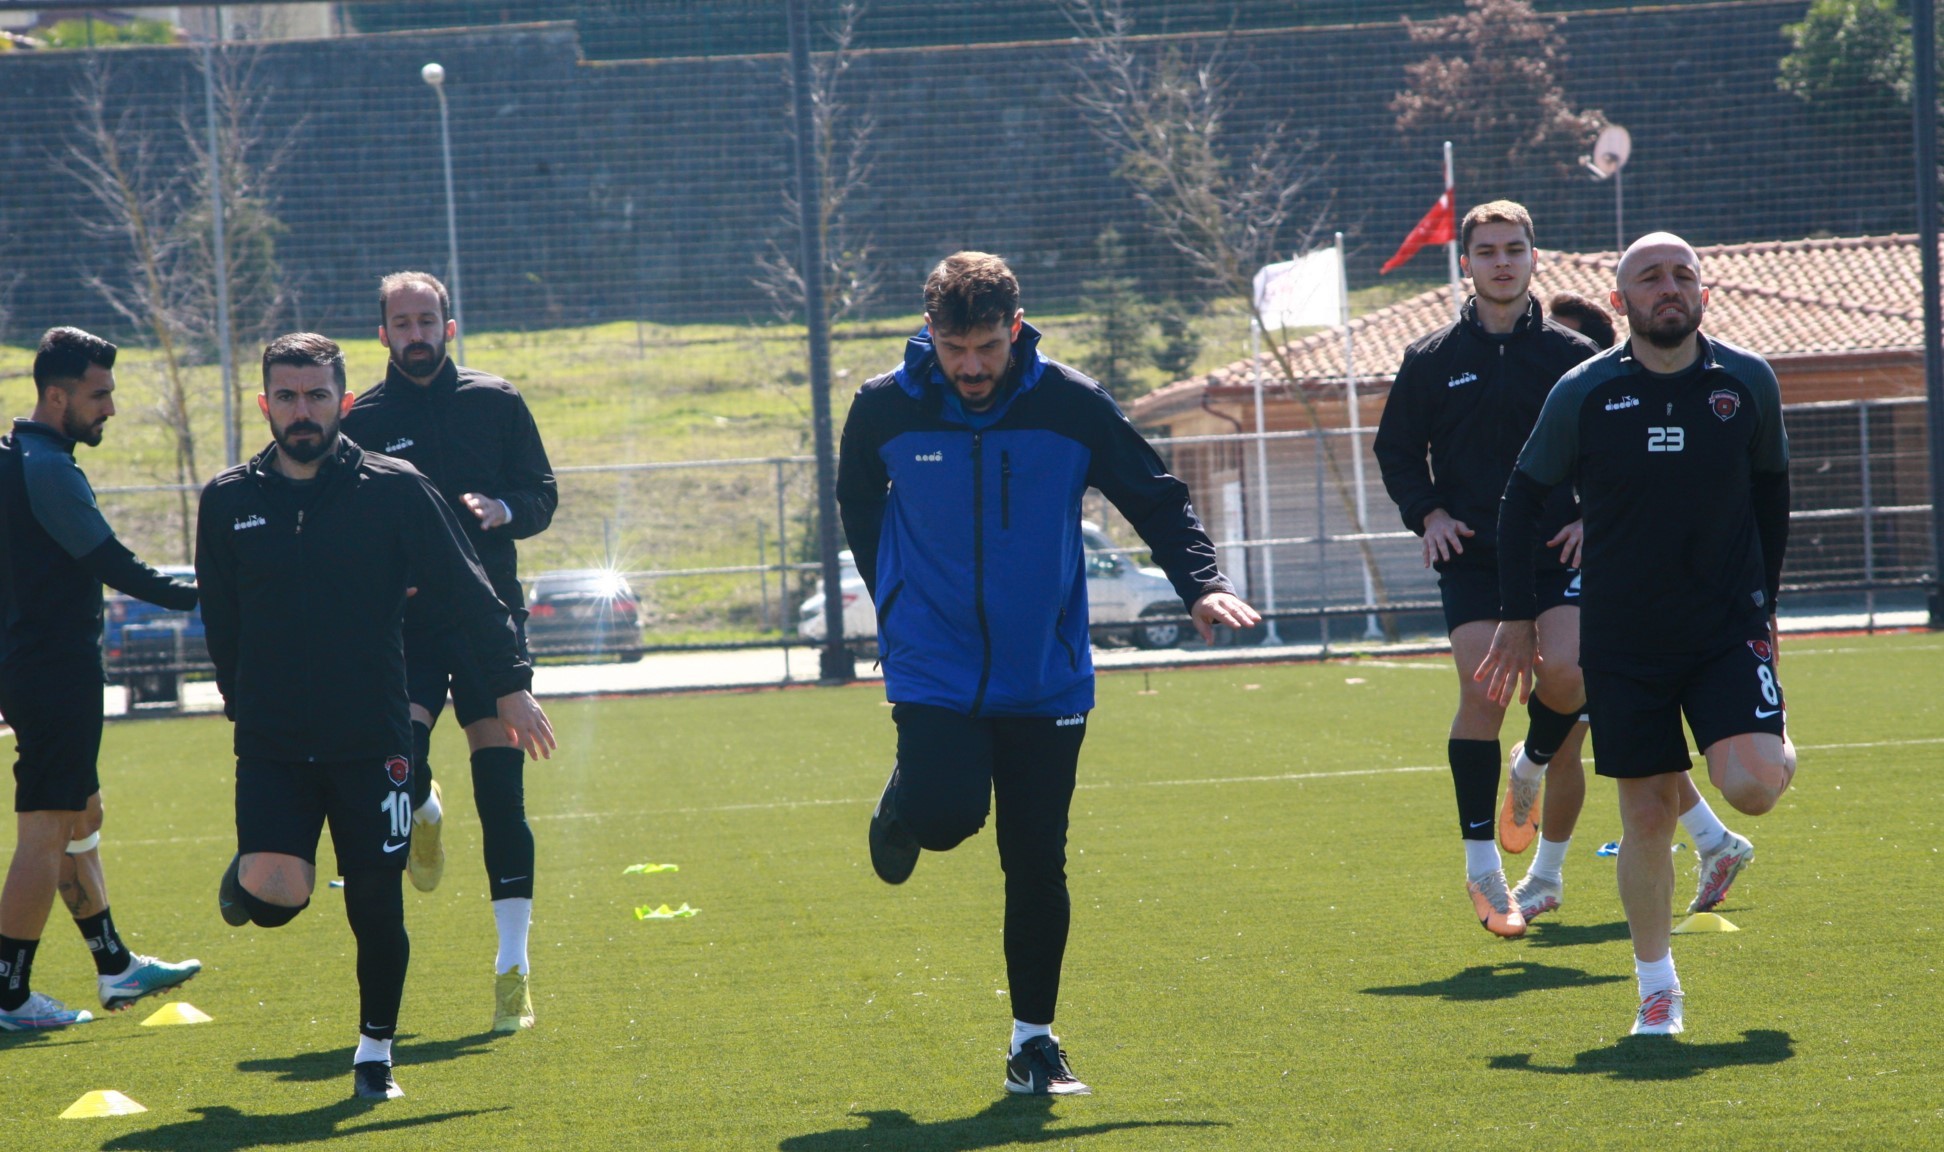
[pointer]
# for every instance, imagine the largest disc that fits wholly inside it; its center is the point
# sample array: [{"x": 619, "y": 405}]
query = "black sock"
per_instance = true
[
  {"x": 500, "y": 794},
  {"x": 1475, "y": 776},
  {"x": 110, "y": 954},
  {"x": 16, "y": 969},
  {"x": 374, "y": 903},
  {"x": 421, "y": 765},
  {"x": 1546, "y": 730}
]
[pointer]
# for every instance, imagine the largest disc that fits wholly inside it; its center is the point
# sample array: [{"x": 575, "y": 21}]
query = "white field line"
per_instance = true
[{"x": 784, "y": 805}]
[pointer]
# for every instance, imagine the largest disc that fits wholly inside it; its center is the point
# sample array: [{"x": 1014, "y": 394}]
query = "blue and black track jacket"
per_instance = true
[
  {"x": 966, "y": 529},
  {"x": 304, "y": 589},
  {"x": 58, "y": 553}
]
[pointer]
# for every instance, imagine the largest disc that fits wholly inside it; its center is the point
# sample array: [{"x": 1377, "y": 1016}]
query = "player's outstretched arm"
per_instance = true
[
  {"x": 1569, "y": 540},
  {"x": 1510, "y": 661},
  {"x": 526, "y": 724},
  {"x": 1222, "y": 608}
]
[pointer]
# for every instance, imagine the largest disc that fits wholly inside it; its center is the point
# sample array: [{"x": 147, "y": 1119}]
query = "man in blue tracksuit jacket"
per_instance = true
[{"x": 960, "y": 482}]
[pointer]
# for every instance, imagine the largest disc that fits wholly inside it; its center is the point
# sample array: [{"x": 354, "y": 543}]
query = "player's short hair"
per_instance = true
[
  {"x": 65, "y": 354},
  {"x": 970, "y": 290},
  {"x": 304, "y": 350},
  {"x": 1495, "y": 212},
  {"x": 1593, "y": 321},
  {"x": 425, "y": 280}
]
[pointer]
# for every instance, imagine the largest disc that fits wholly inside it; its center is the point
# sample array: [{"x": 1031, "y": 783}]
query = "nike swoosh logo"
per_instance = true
[
  {"x": 510, "y": 879},
  {"x": 1761, "y": 715},
  {"x": 391, "y": 847},
  {"x": 1480, "y": 824}
]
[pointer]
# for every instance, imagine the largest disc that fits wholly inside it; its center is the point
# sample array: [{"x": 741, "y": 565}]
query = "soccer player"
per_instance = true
[
  {"x": 960, "y": 482},
  {"x": 56, "y": 552},
  {"x": 1584, "y": 316},
  {"x": 1675, "y": 442},
  {"x": 472, "y": 436},
  {"x": 304, "y": 555}
]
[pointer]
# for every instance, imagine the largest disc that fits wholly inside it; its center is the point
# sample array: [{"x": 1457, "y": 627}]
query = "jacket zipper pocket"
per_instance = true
[
  {"x": 1073, "y": 658},
  {"x": 1005, "y": 490}
]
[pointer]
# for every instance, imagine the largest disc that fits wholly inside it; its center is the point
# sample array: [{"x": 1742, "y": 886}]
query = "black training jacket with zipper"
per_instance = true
[
  {"x": 303, "y": 599},
  {"x": 1469, "y": 399}
]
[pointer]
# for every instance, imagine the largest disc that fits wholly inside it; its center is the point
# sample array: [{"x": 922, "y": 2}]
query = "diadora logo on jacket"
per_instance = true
[
  {"x": 251, "y": 521},
  {"x": 1623, "y": 402},
  {"x": 397, "y": 445},
  {"x": 1457, "y": 381},
  {"x": 929, "y": 457},
  {"x": 1073, "y": 721}
]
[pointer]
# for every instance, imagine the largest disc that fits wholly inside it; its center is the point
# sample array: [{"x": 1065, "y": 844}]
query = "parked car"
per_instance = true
[
  {"x": 1124, "y": 601},
  {"x": 149, "y": 650},
  {"x": 583, "y": 612}
]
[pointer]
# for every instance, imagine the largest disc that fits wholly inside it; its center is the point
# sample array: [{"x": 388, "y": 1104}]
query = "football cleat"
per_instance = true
[
  {"x": 894, "y": 852},
  {"x": 512, "y": 1004},
  {"x": 229, "y": 895},
  {"x": 426, "y": 863},
  {"x": 41, "y": 1011},
  {"x": 1659, "y": 1015},
  {"x": 1518, "y": 819},
  {"x": 1718, "y": 872},
  {"x": 145, "y": 976},
  {"x": 372, "y": 1080},
  {"x": 1535, "y": 897},
  {"x": 1494, "y": 906},
  {"x": 1040, "y": 1068}
]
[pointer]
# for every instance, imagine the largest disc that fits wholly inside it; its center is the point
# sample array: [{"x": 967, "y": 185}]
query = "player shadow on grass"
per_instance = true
[
  {"x": 1572, "y": 935},
  {"x": 331, "y": 1064},
  {"x": 220, "y": 1128},
  {"x": 1661, "y": 1057},
  {"x": 1498, "y": 982},
  {"x": 1015, "y": 1120}
]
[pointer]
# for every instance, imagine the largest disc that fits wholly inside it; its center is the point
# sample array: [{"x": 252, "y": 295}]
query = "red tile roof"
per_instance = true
[{"x": 1779, "y": 298}]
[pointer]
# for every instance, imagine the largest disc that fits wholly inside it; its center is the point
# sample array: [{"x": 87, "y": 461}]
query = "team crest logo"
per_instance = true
[
  {"x": 1725, "y": 402},
  {"x": 1761, "y": 649},
  {"x": 400, "y": 769}
]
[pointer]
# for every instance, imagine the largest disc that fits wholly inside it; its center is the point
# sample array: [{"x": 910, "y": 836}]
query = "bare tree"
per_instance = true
[
  {"x": 1491, "y": 82},
  {"x": 114, "y": 163},
  {"x": 1227, "y": 209},
  {"x": 842, "y": 152}
]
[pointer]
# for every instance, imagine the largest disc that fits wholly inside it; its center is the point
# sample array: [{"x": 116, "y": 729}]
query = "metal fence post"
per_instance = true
[
  {"x": 1869, "y": 516},
  {"x": 1322, "y": 543}
]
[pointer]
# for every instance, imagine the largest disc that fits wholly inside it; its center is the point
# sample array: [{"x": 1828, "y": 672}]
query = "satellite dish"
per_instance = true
[{"x": 1610, "y": 152}]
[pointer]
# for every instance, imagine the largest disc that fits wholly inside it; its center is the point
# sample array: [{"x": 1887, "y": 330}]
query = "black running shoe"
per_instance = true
[
  {"x": 1041, "y": 1069},
  {"x": 373, "y": 1081},
  {"x": 229, "y": 896},
  {"x": 894, "y": 853}
]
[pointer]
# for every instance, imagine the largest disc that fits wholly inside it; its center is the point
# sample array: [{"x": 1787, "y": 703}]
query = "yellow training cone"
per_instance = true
[
  {"x": 179, "y": 1012},
  {"x": 1705, "y": 922},
  {"x": 104, "y": 1103}
]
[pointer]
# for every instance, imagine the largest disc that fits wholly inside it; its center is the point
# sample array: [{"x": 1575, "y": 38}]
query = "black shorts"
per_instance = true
[
  {"x": 281, "y": 806},
  {"x": 1637, "y": 713},
  {"x": 56, "y": 722},
  {"x": 436, "y": 662},
  {"x": 1471, "y": 592}
]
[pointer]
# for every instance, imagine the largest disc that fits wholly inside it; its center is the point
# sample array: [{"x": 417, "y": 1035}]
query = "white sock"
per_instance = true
[
  {"x": 1023, "y": 1032},
  {"x": 1709, "y": 833},
  {"x": 430, "y": 812},
  {"x": 1524, "y": 769},
  {"x": 369, "y": 1049},
  {"x": 513, "y": 915},
  {"x": 1656, "y": 975},
  {"x": 1547, "y": 862},
  {"x": 1481, "y": 858}
]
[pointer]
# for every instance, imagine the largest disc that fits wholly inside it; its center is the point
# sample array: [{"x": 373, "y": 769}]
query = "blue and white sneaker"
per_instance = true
[
  {"x": 39, "y": 1012},
  {"x": 145, "y": 976},
  {"x": 1040, "y": 1068}
]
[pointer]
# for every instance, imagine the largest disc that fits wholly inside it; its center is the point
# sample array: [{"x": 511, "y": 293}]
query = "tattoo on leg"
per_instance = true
[{"x": 75, "y": 896}]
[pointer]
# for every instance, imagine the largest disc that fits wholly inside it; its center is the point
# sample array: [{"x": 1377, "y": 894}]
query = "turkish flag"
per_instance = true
[{"x": 1439, "y": 226}]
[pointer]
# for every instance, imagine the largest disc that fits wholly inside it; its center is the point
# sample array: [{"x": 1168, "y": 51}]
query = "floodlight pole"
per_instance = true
[
  {"x": 434, "y": 75},
  {"x": 835, "y": 662},
  {"x": 1923, "y": 109}
]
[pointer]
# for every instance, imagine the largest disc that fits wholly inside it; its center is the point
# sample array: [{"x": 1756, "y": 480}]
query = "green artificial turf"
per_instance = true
[{"x": 1272, "y": 946}]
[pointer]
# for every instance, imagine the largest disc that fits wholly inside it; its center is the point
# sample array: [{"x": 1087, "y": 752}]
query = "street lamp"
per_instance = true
[
  {"x": 1610, "y": 153},
  {"x": 434, "y": 74}
]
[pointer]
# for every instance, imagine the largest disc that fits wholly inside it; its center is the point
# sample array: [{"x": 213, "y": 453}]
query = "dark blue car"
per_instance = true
[{"x": 148, "y": 650}]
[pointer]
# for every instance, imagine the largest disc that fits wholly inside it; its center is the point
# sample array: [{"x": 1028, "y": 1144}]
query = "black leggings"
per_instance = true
[{"x": 950, "y": 767}]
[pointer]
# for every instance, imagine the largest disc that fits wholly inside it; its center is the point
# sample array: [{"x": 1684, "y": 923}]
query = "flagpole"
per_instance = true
[
  {"x": 1371, "y": 630},
  {"x": 1262, "y": 482},
  {"x": 1451, "y": 246}
]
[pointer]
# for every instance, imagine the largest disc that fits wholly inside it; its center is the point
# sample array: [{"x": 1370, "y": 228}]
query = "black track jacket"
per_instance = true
[
  {"x": 303, "y": 595},
  {"x": 1471, "y": 398},
  {"x": 466, "y": 431}
]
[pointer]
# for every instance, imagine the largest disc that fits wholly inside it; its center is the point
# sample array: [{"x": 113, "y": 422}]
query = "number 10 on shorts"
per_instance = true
[{"x": 398, "y": 805}]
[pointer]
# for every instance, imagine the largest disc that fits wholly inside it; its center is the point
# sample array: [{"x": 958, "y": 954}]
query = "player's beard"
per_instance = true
[
  {"x": 73, "y": 429},
  {"x": 419, "y": 358},
  {"x": 1669, "y": 333},
  {"x": 304, "y": 453}
]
